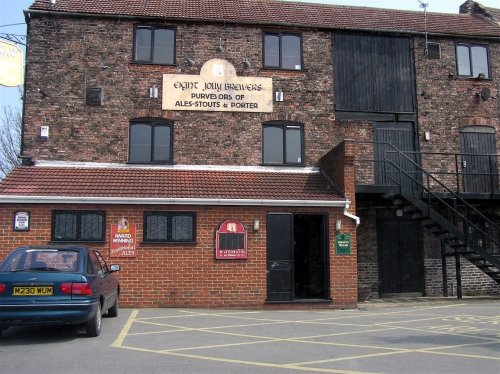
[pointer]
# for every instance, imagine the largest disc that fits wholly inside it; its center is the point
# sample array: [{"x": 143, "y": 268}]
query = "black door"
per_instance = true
[
  {"x": 479, "y": 171},
  {"x": 279, "y": 257},
  {"x": 296, "y": 257},
  {"x": 388, "y": 163},
  {"x": 399, "y": 241}
]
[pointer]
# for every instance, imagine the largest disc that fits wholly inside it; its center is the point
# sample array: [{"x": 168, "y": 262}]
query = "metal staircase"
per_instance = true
[{"x": 464, "y": 230}]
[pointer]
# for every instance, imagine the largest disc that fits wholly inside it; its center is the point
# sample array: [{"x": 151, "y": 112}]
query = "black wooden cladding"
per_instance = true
[
  {"x": 480, "y": 173},
  {"x": 373, "y": 73}
]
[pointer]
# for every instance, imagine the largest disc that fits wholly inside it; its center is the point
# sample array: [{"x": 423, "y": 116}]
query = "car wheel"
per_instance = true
[
  {"x": 113, "y": 311},
  {"x": 94, "y": 325}
]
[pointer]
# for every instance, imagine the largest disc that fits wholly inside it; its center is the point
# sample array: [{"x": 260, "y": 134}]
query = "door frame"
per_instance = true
[
  {"x": 389, "y": 215},
  {"x": 474, "y": 183},
  {"x": 326, "y": 258}
]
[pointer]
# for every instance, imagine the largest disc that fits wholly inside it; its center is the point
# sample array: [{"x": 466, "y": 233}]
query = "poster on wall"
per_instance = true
[
  {"x": 21, "y": 221},
  {"x": 231, "y": 241},
  {"x": 123, "y": 239}
]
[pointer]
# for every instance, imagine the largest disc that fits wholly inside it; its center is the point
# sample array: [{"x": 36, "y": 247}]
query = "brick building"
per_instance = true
[{"x": 261, "y": 153}]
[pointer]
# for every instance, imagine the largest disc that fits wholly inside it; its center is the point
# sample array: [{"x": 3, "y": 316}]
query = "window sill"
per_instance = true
[
  {"x": 284, "y": 165},
  {"x": 147, "y": 243},
  {"x": 77, "y": 241},
  {"x": 152, "y": 63},
  {"x": 149, "y": 163},
  {"x": 274, "y": 69}
]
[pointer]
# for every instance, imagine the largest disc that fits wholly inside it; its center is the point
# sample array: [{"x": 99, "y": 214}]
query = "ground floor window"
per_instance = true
[
  {"x": 169, "y": 227},
  {"x": 78, "y": 225}
]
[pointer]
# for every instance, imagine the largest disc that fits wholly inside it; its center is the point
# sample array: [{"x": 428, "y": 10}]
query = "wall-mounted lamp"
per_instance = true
[
  {"x": 42, "y": 92},
  {"x": 256, "y": 225},
  {"x": 44, "y": 132},
  {"x": 399, "y": 212},
  {"x": 153, "y": 92},
  {"x": 220, "y": 48},
  {"x": 427, "y": 135},
  {"x": 247, "y": 63},
  {"x": 279, "y": 95},
  {"x": 338, "y": 225},
  {"x": 189, "y": 60}
]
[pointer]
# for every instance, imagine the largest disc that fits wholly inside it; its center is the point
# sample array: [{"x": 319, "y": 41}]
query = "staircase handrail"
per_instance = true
[{"x": 437, "y": 197}]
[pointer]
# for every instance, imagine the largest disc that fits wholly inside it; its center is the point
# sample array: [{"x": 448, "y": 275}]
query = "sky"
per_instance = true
[{"x": 11, "y": 13}]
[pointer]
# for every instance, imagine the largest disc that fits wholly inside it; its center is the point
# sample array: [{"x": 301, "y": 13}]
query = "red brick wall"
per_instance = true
[{"x": 179, "y": 275}]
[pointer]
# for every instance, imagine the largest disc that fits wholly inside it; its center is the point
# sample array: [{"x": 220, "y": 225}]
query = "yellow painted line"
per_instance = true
[
  {"x": 121, "y": 337},
  {"x": 464, "y": 355},
  {"x": 429, "y": 329},
  {"x": 250, "y": 363},
  {"x": 346, "y": 358}
]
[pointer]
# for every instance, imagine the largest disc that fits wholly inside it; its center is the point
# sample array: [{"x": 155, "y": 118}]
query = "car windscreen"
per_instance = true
[{"x": 42, "y": 260}]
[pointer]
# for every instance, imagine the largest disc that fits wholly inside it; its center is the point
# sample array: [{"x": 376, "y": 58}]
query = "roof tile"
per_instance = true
[
  {"x": 281, "y": 12},
  {"x": 166, "y": 183}
]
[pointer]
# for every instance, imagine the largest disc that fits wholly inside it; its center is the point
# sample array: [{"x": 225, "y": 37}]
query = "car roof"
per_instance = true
[{"x": 79, "y": 248}]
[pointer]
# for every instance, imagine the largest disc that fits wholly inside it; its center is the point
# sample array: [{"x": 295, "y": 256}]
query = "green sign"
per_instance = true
[{"x": 343, "y": 244}]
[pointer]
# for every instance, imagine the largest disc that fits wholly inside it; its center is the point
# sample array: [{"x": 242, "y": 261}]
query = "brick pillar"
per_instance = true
[{"x": 338, "y": 166}]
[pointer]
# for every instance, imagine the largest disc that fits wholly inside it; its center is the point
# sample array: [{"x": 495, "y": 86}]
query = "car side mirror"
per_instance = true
[{"x": 114, "y": 267}]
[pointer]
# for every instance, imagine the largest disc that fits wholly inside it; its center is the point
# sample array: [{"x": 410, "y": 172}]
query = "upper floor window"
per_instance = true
[
  {"x": 283, "y": 143},
  {"x": 78, "y": 225},
  {"x": 472, "y": 61},
  {"x": 150, "y": 141},
  {"x": 282, "y": 51},
  {"x": 154, "y": 45},
  {"x": 169, "y": 227}
]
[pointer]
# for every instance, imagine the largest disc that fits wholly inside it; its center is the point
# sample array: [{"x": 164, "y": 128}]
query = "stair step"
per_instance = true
[{"x": 429, "y": 223}]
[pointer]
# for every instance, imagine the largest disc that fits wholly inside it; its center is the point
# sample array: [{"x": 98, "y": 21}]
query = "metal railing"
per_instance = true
[
  {"x": 459, "y": 172},
  {"x": 402, "y": 170}
]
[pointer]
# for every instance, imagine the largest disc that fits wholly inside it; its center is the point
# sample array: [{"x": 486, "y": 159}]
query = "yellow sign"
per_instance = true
[
  {"x": 217, "y": 89},
  {"x": 11, "y": 64}
]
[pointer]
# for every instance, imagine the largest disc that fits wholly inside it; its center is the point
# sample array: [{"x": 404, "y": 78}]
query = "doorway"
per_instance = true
[
  {"x": 400, "y": 253},
  {"x": 479, "y": 165},
  {"x": 389, "y": 137},
  {"x": 297, "y": 258}
]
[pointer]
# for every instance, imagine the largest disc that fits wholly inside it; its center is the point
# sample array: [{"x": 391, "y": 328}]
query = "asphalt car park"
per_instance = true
[{"x": 455, "y": 336}]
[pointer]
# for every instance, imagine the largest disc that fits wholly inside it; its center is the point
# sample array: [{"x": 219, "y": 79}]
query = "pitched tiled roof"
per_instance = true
[
  {"x": 281, "y": 13},
  {"x": 144, "y": 183}
]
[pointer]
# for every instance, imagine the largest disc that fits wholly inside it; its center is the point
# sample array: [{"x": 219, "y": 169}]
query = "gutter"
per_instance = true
[
  {"x": 20, "y": 199},
  {"x": 352, "y": 216}
]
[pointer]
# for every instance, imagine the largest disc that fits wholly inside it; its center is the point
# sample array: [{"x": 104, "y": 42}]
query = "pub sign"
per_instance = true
[
  {"x": 123, "y": 239},
  {"x": 231, "y": 241}
]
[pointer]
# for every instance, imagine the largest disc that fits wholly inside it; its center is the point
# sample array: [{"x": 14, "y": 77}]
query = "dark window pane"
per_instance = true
[
  {"x": 91, "y": 227},
  {"x": 163, "y": 46},
  {"x": 479, "y": 57},
  {"x": 156, "y": 227},
  {"x": 463, "y": 60},
  {"x": 162, "y": 143},
  {"x": 293, "y": 145},
  {"x": 182, "y": 228},
  {"x": 290, "y": 49},
  {"x": 142, "y": 44},
  {"x": 273, "y": 145},
  {"x": 271, "y": 50},
  {"x": 140, "y": 143},
  {"x": 65, "y": 225}
]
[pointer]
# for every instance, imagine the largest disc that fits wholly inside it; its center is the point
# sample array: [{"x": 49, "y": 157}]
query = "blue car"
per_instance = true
[{"x": 43, "y": 285}]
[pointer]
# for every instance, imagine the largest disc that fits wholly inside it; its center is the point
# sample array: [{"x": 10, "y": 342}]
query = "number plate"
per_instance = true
[{"x": 33, "y": 291}]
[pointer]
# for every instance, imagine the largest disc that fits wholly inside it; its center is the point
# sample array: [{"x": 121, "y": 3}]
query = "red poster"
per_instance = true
[
  {"x": 123, "y": 240},
  {"x": 231, "y": 241}
]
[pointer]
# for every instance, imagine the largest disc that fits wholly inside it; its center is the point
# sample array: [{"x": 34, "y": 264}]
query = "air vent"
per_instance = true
[
  {"x": 93, "y": 96},
  {"x": 433, "y": 50}
]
